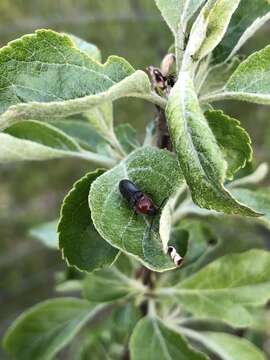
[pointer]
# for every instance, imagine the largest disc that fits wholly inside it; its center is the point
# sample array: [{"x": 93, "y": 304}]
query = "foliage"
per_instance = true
[{"x": 57, "y": 100}]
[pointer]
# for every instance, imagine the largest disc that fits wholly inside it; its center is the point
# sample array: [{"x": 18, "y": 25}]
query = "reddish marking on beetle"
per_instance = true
[
  {"x": 139, "y": 201},
  {"x": 146, "y": 206}
]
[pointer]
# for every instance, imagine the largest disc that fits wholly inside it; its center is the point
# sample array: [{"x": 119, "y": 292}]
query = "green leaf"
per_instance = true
[
  {"x": 93, "y": 348},
  {"x": 176, "y": 13},
  {"x": 251, "y": 80},
  {"x": 233, "y": 140},
  {"x": 42, "y": 331},
  {"x": 127, "y": 316},
  {"x": 226, "y": 346},
  {"x": 43, "y": 134},
  {"x": 225, "y": 289},
  {"x": 199, "y": 155},
  {"x": 259, "y": 200},
  {"x": 222, "y": 239},
  {"x": 210, "y": 27},
  {"x": 101, "y": 118},
  {"x": 80, "y": 243},
  {"x": 152, "y": 340},
  {"x": 109, "y": 285},
  {"x": 81, "y": 131},
  {"x": 127, "y": 137},
  {"x": 247, "y": 19},
  {"x": 218, "y": 75},
  {"x": 155, "y": 172},
  {"x": 165, "y": 223},
  {"x": 46, "y": 233},
  {"x": 69, "y": 286},
  {"x": 200, "y": 238},
  {"x": 257, "y": 176},
  {"x": 91, "y": 49},
  {"x": 127, "y": 265},
  {"x": 150, "y": 133},
  {"x": 49, "y": 77},
  {"x": 169, "y": 235},
  {"x": 34, "y": 140}
]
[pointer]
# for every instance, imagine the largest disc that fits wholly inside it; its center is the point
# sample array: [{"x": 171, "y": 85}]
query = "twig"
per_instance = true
[{"x": 163, "y": 135}]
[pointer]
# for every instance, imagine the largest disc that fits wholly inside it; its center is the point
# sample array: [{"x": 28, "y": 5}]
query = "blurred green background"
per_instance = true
[{"x": 31, "y": 193}]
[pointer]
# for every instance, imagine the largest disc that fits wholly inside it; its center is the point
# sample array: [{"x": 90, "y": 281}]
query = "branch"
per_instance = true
[{"x": 163, "y": 135}]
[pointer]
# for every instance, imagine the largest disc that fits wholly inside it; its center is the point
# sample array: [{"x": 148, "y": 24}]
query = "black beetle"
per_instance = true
[{"x": 140, "y": 202}]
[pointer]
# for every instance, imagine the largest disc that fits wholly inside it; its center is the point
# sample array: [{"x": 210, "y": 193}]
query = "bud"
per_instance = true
[{"x": 167, "y": 64}]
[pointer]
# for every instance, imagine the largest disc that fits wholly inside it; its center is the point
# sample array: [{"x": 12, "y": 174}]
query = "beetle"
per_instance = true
[{"x": 139, "y": 201}]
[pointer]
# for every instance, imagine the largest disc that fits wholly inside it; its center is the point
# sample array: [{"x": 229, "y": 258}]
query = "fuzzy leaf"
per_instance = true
[
  {"x": 49, "y": 77},
  {"x": 152, "y": 339},
  {"x": 101, "y": 118},
  {"x": 34, "y": 140},
  {"x": 165, "y": 223},
  {"x": 46, "y": 233},
  {"x": 107, "y": 285},
  {"x": 170, "y": 236},
  {"x": 218, "y": 75},
  {"x": 233, "y": 140},
  {"x": 156, "y": 173},
  {"x": 219, "y": 237},
  {"x": 127, "y": 137},
  {"x": 42, "y": 331},
  {"x": 200, "y": 239},
  {"x": 176, "y": 13},
  {"x": 213, "y": 21},
  {"x": 91, "y": 49},
  {"x": 247, "y": 19},
  {"x": 127, "y": 316},
  {"x": 226, "y": 346},
  {"x": 81, "y": 131},
  {"x": 80, "y": 243},
  {"x": 225, "y": 289},
  {"x": 259, "y": 200},
  {"x": 251, "y": 80},
  {"x": 200, "y": 157}
]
